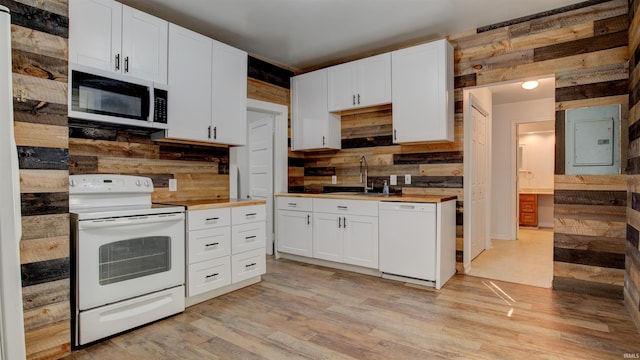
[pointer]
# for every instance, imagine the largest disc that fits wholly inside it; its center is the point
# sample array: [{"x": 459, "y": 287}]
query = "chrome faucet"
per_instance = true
[{"x": 363, "y": 164}]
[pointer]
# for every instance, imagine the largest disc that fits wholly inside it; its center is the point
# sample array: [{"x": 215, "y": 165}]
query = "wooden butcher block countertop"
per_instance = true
[
  {"x": 215, "y": 203},
  {"x": 376, "y": 197}
]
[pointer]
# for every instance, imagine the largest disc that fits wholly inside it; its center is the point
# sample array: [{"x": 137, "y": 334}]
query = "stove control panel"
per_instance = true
[{"x": 107, "y": 183}]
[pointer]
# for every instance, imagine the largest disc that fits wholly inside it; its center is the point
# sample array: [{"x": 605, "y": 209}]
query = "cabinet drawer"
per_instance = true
[
  {"x": 347, "y": 207},
  {"x": 247, "y": 214},
  {"x": 248, "y": 237},
  {"x": 528, "y": 197},
  {"x": 208, "y": 275},
  {"x": 248, "y": 264},
  {"x": 205, "y": 219},
  {"x": 208, "y": 244},
  {"x": 529, "y": 219},
  {"x": 294, "y": 203},
  {"x": 527, "y": 207}
]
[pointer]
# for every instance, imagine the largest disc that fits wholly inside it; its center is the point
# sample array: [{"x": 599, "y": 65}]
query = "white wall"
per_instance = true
[
  {"x": 537, "y": 170},
  {"x": 505, "y": 116}
]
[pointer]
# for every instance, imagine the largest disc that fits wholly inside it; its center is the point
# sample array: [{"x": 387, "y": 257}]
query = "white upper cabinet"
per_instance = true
[
  {"x": 359, "y": 84},
  {"x": 313, "y": 126},
  {"x": 229, "y": 95},
  {"x": 189, "y": 107},
  {"x": 423, "y": 102},
  {"x": 208, "y": 89},
  {"x": 144, "y": 45},
  {"x": 107, "y": 35}
]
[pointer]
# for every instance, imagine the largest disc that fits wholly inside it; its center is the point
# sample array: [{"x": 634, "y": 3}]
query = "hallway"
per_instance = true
[{"x": 528, "y": 260}]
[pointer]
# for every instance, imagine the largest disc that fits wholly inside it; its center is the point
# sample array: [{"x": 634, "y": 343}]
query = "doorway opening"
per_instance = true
[
  {"x": 517, "y": 244},
  {"x": 259, "y": 169}
]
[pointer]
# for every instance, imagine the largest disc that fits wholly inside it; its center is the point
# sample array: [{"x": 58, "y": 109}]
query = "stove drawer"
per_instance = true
[
  {"x": 208, "y": 244},
  {"x": 206, "y": 219},
  {"x": 248, "y": 237},
  {"x": 247, "y": 214},
  {"x": 248, "y": 264},
  {"x": 208, "y": 275}
]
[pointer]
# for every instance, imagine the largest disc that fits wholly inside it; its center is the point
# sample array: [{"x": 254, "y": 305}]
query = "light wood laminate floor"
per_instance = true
[
  {"x": 310, "y": 312},
  {"x": 528, "y": 260}
]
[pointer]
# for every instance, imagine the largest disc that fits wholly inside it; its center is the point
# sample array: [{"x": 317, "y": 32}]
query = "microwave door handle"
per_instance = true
[{"x": 152, "y": 104}]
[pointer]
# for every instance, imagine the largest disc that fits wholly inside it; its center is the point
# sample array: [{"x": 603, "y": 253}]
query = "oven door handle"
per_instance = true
[{"x": 130, "y": 220}]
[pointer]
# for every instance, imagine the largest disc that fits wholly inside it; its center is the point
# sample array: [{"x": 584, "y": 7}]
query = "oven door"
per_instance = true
[{"x": 121, "y": 258}]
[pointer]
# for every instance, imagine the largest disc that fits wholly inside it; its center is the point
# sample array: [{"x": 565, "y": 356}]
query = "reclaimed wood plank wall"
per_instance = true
[
  {"x": 632, "y": 252},
  {"x": 585, "y": 46},
  {"x": 39, "y": 33}
]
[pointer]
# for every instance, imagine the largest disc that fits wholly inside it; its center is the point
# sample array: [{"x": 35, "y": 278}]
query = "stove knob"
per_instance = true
[
  {"x": 137, "y": 182},
  {"x": 146, "y": 183}
]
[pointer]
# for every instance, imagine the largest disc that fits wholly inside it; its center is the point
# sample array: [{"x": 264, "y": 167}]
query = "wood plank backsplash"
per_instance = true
[{"x": 632, "y": 243}]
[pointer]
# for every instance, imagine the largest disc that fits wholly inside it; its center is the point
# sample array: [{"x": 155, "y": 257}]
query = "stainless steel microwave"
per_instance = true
[{"x": 107, "y": 97}]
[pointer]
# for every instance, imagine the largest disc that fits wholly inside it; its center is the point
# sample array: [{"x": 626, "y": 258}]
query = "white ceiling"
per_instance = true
[
  {"x": 513, "y": 92},
  {"x": 303, "y": 34}
]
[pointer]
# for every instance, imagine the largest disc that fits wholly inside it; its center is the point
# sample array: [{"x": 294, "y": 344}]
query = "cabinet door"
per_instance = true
[
  {"x": 327, "y": 237},
  {"x": 374, "y": 81},
  {"x": 95, "y": 33},
  {"x": 312, "y": 125},
  {"x": 189, "y": 108},
  {"x": 341, "y": 85},
  {"x": 229, "y": 95},
  {"x": 361, "y": 241},
  {"x": 422, "y": 88},
  {"x": 294, "y": 232},
  {"x": 144, "y": 45}
]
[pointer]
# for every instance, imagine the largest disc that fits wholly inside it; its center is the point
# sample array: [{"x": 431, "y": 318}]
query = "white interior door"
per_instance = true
[
  {"x": 260, "y": 126},
  {"x": 478, "y": 182}
]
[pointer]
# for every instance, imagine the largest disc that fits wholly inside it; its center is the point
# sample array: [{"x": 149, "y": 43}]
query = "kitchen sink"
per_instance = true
[{"x": 361, "y": 193}]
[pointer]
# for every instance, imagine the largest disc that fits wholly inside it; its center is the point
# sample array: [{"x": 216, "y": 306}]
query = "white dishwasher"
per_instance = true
[{"x": 408, "y": 234}]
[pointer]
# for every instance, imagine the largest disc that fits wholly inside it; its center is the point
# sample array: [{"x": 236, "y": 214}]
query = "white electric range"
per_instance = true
[{"x": 127, "y": 255}]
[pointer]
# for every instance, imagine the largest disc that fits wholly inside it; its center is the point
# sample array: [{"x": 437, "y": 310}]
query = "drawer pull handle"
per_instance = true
[
  {"x": 250, "y": 214},
  {"x": 212, "y": 219},
  {"x": 250, "y": 237},
  {"x": 212, "y": 275},
  {"x": 250, "y": 265},
  {"x": 212, "y": 244},
  {"x": 293, "y": 204},
  {"x": 342, "y": 207}
]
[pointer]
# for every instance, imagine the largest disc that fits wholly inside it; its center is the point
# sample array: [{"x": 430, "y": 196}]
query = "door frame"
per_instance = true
[
  {"x": 280, "y": 150},
  {"x": 473, "y": 102}
]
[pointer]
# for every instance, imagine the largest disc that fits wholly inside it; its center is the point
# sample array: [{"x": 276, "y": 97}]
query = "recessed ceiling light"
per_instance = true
[{"x": 529, "y": 85}]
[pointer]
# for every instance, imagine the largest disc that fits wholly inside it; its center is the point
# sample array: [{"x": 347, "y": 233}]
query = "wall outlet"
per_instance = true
[
  {"x": 334, "y": 179},
  {"x": 173, "y": 185},
  {"x": 407, "y": 179},
  {"x": 393, "y": 180}
]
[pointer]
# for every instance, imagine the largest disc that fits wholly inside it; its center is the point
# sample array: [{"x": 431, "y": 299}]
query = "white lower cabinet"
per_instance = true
[
  {"x": 293, "y": 226},
  {"x": 342, "y": 231},
  {"x": 224, "y": 247},
  {"x": 349, "y": 239}
]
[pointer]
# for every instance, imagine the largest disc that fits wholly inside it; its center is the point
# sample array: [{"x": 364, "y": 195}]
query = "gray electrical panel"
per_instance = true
[{"x": 593, "y": 140}]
